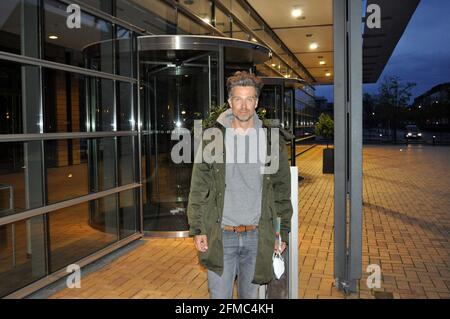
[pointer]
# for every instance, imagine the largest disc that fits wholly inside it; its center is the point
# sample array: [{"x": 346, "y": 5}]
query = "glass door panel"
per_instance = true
[{"x": 174, "y": 94}]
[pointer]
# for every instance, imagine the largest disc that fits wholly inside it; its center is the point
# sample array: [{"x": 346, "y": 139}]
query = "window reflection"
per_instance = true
[
  {"x": 22, "y": 254},
  {"x": 126, "y": 150},
  {"x": 304, "y": 113},
  {"x": 10, "y": 98},
  {"x": 80, "y": 230},
  {"x": 155, "y": 16},
  {"x": 270, "y": 99},
  {"x": 14, "y": 29},
  {"x": 201, "y": 8},
  {"x": 238, "y": 33},
  {"x": 222, "y": 22},
  {"x": 101, "y": 93},
  {"x": 124, "y": 53},
  {"x": 288, "y": 104},
  {"x": 72, "y": 173},
  {"x": 17, "y": 83},
  {"x": 128, "y": 213},
  {"x": 103, "y": 5},
  {"x": 89, "y": 46},
  {"x": 188, "y": 26},
  {"x": 66, "y": 108},
  {"x": 66, "y": 169},
  {"x": 16, "y": 181},
  {"x": 126, "y": 115}
]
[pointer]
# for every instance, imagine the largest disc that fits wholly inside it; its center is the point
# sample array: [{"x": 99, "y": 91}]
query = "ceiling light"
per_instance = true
[
  {"x": 274, "y": 65},
  {"x": 296, "y": 12},
  {"x": 52, "y": 37},
  {"x": 313, "y": 46},
  {"x": 328, "y": 74},
  {"x": 322, "y": 62}
]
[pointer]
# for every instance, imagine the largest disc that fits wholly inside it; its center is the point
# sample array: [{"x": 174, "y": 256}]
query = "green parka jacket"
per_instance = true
[{"x": 206, "y": 202}]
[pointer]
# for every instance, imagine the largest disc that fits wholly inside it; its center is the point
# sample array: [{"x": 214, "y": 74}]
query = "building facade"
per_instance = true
[
  {"x": 431, "y": 109},
  {"x": 72, "y": 185}
]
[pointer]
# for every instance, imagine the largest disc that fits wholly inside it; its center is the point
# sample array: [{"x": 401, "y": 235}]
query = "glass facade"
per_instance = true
[
  {"x": 71, "y": 130},
  {"x": 280, "y": 100},
  {"x": 23, "y": 258},
  {"x": 155, "y": 17},
  {"x": 270, "y": 100},
  {"x": 305, "y": 115},
  {"x": 68, "y": 137},
  {"x": 288, "y": 104},
  {"x": 88, "y": 46}
]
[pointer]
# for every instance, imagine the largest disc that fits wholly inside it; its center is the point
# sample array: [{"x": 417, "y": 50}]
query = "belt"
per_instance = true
[{"x": 240, "y": 228}]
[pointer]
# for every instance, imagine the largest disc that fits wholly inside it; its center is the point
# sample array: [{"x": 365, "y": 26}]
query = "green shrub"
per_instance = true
[{"x": 325, "y": 127}]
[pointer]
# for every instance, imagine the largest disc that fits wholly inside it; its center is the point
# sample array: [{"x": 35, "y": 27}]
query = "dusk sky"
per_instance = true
[{"x": 423, "y": 53}]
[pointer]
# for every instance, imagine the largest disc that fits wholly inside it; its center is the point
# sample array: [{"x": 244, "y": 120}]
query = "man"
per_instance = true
[{"x": 233, "y": 206}]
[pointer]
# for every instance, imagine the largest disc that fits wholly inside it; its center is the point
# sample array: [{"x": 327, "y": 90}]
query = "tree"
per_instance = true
[
  {"x": 325, "y": 127},
  {"x": 394, "y": 95},
  {"x": 370, "y": 102}
]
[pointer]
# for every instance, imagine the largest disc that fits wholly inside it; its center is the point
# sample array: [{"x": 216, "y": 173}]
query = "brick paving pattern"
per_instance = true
[{"x": 406, "y": 230}]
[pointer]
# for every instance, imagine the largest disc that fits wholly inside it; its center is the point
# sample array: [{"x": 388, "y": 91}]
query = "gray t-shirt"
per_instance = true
[{"x": 243, "y": 176}]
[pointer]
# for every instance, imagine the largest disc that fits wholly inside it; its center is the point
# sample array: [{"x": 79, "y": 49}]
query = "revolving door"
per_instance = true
[{"x": 181, "y": 80}]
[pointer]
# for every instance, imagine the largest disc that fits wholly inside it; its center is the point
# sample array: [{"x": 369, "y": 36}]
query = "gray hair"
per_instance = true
[{"x": 243, "y": 78}]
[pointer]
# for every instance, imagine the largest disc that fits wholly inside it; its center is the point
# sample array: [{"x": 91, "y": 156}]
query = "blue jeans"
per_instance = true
[{"x": 239, "y": 259}]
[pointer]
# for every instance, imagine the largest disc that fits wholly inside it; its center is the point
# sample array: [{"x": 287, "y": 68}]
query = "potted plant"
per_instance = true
[{"x": 325, "y": 129}]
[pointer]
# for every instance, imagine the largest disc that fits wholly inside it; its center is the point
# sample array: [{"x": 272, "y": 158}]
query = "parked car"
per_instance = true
[{"x": 412, "y": 132}]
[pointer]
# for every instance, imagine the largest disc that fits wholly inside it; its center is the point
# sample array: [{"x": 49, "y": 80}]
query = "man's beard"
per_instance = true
[{"x": 240, "y": 119}]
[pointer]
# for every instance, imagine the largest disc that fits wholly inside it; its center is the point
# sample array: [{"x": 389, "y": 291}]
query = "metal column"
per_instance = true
[
  {"x": 347, "y": 31},
  {"x": 33, "y": 150}
]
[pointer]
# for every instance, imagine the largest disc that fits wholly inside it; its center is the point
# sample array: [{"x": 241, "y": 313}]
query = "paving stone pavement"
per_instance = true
[{"x": 406, "y": 231}]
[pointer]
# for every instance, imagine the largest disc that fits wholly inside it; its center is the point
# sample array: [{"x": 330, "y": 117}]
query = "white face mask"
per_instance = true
[
  {"x": 278, "y": 265},
  {"x": 278, "y": 261}
]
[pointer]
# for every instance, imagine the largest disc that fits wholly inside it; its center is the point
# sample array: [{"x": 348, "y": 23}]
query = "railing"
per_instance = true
[{"x": 297, "y": 141}]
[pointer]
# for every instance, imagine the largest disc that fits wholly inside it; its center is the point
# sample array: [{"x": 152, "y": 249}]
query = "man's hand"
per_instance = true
[
  {"x": 278, "y": 249},
  {"x": 201, "y": 243}
]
